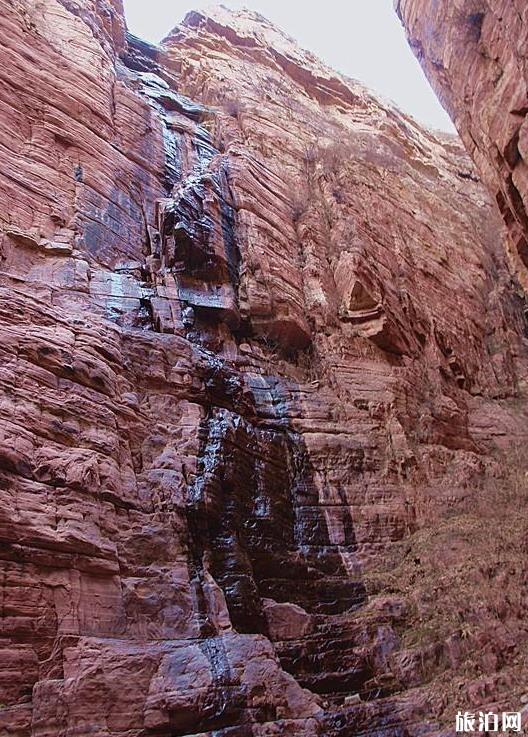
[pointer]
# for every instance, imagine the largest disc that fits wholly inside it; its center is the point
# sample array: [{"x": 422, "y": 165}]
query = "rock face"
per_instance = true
[
  {"x": 262, "y": 395},
  {"x": 488, "y": 100}
]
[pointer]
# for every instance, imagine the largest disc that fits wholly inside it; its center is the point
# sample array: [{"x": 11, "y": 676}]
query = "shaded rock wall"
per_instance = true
[
  {"x": 259, "y": 344},
  {"x": 474, "y": 53}
]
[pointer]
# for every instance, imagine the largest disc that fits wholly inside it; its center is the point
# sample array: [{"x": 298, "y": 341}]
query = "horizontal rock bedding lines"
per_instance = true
[{"x": 259, "y": 339}]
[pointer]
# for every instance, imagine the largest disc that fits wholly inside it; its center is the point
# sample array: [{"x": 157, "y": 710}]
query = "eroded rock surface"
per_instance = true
[
  {"x": 474, "y": 53},
  {"x": 262, "y": 366}
]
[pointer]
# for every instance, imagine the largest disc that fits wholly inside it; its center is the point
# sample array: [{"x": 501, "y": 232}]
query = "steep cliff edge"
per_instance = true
[
  {"x": 262, "y": 395},
  {"x": 474, "y": 53}
]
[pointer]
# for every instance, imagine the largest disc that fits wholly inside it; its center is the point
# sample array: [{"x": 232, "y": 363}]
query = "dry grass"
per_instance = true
[
  {"x": 320, "y": 162},
  {"x": 464, "y": 579}
]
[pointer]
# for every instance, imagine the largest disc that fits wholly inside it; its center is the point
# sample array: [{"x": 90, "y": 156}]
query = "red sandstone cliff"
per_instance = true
[
  {"x": 262, "y": 395},
  {"x": 475, "y": 55}
]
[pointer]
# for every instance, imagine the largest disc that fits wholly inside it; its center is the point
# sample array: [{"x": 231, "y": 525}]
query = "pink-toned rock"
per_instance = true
[
  {"x": 259, "y": 356},
  {"x": 286, "y": 621},
  {"x": 488, "y": 100}
]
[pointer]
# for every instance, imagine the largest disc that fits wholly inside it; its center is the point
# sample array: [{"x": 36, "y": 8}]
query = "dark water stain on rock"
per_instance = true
[
  {"x": 254, "y": 512},
  {"x": 227, "y": 212}
]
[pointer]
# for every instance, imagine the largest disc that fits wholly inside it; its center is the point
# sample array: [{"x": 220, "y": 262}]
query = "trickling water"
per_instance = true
[
  {"x": 173, "y": 159},
  {"x": 228, "y": 228},
  {"x": 253, "y": 510}
]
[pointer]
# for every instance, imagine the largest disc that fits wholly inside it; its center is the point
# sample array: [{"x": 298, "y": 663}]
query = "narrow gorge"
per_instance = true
[{"x": 263, "y": 400}]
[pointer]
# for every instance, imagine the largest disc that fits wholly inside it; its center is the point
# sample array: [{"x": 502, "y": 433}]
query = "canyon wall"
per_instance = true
[
  {"x": 474, "y": 53},
  {"x": 262, "y": 409}
]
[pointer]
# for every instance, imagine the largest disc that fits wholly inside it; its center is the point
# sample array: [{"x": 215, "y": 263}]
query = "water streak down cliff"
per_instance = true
[{"x": 263, "y": 368}]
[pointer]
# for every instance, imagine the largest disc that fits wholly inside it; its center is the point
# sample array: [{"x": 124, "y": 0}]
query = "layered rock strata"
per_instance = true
[
  {"x": 474, "y": 53},
  {"x": 261, "y": 359}
]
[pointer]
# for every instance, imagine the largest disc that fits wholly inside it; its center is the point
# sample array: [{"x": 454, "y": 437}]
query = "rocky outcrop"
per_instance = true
[
  {"x": 488, "y": 100},
  {"x": 262, "y": 383}
]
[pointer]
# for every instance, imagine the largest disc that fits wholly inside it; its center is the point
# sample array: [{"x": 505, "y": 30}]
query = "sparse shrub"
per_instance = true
[
  {"x": 338, "y": 195},
  {"x": 334, "y": 156},
  {"x": 300, "y": 202},
  {"x": 327, "y": 158},
  {"x": 311, "y": 156},
  {"x": 234, "y": 108}
]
